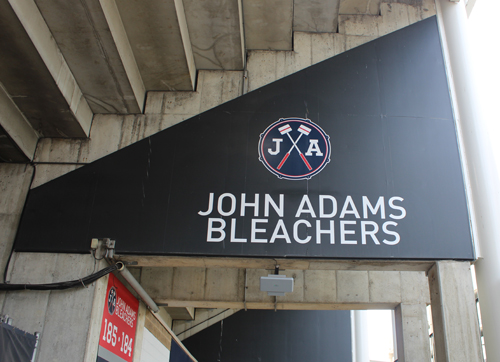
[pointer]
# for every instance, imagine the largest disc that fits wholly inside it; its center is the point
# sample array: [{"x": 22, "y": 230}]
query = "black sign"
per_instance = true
[
  {"x": 354, "y": 157},
  {"x": 269, "y": 336}
]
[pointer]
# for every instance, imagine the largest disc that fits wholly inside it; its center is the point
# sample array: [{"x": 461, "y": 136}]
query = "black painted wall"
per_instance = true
[
  {"x": 282, "y": 336},
  {"x": 385, "y": 106}
]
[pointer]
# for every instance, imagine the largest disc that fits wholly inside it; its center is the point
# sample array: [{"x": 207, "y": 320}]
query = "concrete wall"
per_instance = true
[
  {"x": 313, "y": 289},
  {"x": 65, "y": 319},
  {"x": 15, "y": 182},
  {"x": 69, "y": 321}
]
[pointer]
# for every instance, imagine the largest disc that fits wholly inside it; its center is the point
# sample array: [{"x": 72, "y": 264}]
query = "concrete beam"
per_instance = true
[
  {"x": 112, "y": 132},
  {"x": 204, "y": 318},
  {"x": 186, "y": 41},
  {"x": 454, "y": 313},
  {"x": 255, "y": 263},
  {"x": 214, "y": 29},
  {"x": 313, "y": 289},
  {"x": 16, "y": 125},
  {"x": 159, "y": 39},
  {"x": 122, "y": 44},
  {"x": 268, "y": 24},
  {"x": 180, "y": 313},
  {"x": 320, "y": 16},
  {"x": 94, "y": 44},
  {"x": 242, "y": 34},
  {"x": 368, "y": 7},
  {"x": 31, "y": 19}
]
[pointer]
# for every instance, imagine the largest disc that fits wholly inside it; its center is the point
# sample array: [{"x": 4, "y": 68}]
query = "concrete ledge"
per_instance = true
[
  {"x": 313, "y": 289},
  {"x": 269, "y": 264},
  {"x": 283, "y": 306}
]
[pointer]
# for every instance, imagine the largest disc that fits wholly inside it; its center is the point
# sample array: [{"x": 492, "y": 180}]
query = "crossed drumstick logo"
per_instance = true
[
  {"x": 286, "y": 129},
  {"x": 289, "y": 166}
]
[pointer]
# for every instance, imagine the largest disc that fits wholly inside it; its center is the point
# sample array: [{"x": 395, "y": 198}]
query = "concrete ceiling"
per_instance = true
[{"x": 64, "y": 61}]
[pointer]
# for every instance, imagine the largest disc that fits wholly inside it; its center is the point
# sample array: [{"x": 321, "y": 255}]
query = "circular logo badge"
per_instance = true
[
  {"x": 112, "y": 300},
  {"x": 294, "y": 148}
]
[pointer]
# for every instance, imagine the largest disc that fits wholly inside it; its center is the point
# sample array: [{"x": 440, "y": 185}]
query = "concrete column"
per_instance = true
[
  {"x": 484, "y": 194},
  {"x": 94, "y": 329},
  {"x": 139, "y": 333},
  {"x": 412, "y": 333},
  {"x": 359, "y": 323},
  {"x": 454, "y": 315},
  {"x": 15, "y": 180},
  {"x": 69, "y": 321}
]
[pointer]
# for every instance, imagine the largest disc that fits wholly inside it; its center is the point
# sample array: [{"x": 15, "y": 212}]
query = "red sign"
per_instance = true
[{"x": 119, "y": 322}]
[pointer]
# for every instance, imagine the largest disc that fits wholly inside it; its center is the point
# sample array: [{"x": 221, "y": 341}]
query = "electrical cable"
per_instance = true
[
  {"x": 96, "y": 258},
  {"x": 64, "y": 285},
  {"x": 93, "y": 252}
]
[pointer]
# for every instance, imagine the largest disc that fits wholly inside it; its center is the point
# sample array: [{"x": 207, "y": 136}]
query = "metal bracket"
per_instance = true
[{"x": 110, "y": 246}]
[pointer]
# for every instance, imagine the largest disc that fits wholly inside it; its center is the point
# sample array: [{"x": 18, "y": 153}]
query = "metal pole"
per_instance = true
[
  {"x": 139, "y": 289},
  {"x": 483, "y": 187},
  {"x": 37, "y": 336}
]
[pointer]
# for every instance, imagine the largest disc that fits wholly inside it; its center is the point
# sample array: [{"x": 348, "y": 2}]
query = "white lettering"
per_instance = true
[
  {"x": 233, "y": 233},
  {"x": 397, "y": 238},
  {"x": 344, "y": 232},
  {"x": 302, "y": 210},
  {"x": 296, "y": 231},
  {"x": 269, "y": 201},
  {"x": 221, "y": 200},
  {"x": 254, "y": 231},
  {"x": 372, "y": 233},
  {"x": 322, "y": 199},
  {"x": 396, "y": 207},
  {"x": 284, "y": 235},
  {"x": 277, "y": 150},
  {"x": 348, "y": 202},
  {"x": 245, "y": 204},
  {"x": 212, "y": 229},
  {"x": 210, "y": 205},
  {"x": 313, "y": 147},
  {"x": 330, "y": 231},
  {"x": 379, "y": 205}
]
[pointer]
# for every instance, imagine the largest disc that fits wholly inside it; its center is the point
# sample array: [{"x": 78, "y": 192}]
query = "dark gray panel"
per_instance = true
[
  {"x": 385, "y": 143},
  {"x": 177, "y": 354},
  {"x": 268, "y": 336},
  {"x": 15, "y": 344}
]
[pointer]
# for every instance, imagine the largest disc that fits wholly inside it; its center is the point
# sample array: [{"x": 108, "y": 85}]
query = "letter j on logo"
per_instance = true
[{"x": 294, "y": 148}]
